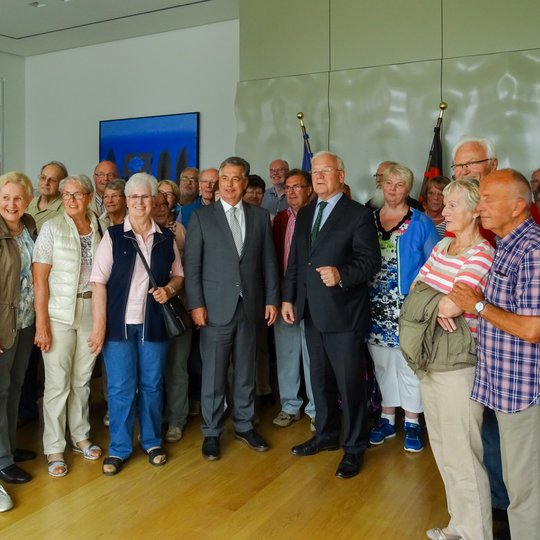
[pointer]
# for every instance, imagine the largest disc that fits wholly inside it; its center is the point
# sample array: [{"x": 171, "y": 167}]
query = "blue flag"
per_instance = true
[{"x": 306, "y": 157}]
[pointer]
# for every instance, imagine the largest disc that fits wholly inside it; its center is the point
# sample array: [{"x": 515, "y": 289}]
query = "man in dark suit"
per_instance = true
[
  {"x": 334, "y": 253},
  {"x": 231, "y": 284}
]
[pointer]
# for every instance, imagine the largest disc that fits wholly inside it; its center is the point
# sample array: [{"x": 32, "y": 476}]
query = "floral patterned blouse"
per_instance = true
[
  {"x": 384, "y": 294},
  {"x": 25, "y": 308}
]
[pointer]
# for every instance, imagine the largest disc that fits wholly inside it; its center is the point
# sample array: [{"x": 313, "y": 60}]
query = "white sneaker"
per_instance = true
[
  {"x": 284, "y": 419},
  {"x": 5, "y": 500},
  {"x": 174, "y": 434}
]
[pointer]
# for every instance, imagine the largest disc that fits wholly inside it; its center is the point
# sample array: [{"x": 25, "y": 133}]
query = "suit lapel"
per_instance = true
[{"x": 334, "y": 217}]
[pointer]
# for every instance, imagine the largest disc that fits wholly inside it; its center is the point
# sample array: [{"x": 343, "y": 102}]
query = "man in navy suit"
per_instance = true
[
  {"x": 231, "y": 284},
  {"x": 334, "y": 253}
]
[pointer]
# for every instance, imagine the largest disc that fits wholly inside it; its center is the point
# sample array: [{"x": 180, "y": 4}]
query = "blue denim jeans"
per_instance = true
[
  {"x": 492, "y": 460},
  {"x": 135, "y": 379}
]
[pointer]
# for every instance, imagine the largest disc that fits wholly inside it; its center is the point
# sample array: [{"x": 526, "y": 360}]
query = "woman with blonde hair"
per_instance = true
[{"x": 17, "y": 234}]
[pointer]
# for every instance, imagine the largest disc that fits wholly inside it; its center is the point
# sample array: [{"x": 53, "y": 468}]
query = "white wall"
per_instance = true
[
  {"x": 69, "y": 92},
  {"x": 12, "y": 74}
]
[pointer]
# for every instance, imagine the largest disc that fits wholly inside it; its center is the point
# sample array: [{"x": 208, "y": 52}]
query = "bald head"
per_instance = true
[{"x": 505, "y": 199}]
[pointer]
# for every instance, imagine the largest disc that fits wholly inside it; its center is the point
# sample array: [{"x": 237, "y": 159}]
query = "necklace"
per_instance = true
[{"x": 17, "y": 231}]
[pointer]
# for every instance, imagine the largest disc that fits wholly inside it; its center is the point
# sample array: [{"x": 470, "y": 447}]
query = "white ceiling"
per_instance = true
[{"x": 63, "y": 24}]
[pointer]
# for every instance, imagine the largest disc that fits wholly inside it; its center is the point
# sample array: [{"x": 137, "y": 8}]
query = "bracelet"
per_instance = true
[{"x": 170, "y": 288}]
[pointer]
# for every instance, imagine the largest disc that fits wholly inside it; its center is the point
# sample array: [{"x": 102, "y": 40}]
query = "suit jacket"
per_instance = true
[
  {"x": 347, "y": 240},
  {"x": 215, "y": 273}
]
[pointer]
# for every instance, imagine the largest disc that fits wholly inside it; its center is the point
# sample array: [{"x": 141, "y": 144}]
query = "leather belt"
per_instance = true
[{"x": 85, "y": 295}]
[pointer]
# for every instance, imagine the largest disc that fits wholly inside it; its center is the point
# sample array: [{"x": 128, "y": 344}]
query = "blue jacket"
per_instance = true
[
  {"x": 124, "y": 255},
  {"x": 414, "y": 247}
]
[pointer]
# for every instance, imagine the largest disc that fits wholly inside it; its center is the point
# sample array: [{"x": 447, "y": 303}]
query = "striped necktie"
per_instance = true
[{"x": 317, "y": 224}]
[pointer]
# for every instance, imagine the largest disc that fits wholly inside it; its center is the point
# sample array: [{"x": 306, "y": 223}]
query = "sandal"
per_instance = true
[
  {"x": 89, "y": 452},
  {"x": 57, "y": 464},
  {"x": 115, "y": 463},
  {"x": 157, "y": 456}
]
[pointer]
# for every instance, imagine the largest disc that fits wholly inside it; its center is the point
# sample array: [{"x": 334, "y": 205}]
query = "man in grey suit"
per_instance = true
[{"x": 231, "y": 284}]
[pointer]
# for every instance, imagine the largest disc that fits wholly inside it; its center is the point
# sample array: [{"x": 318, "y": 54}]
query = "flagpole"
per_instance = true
[
  {"x": 300, "y": 117},
  {"x": 307, "y": 153}
]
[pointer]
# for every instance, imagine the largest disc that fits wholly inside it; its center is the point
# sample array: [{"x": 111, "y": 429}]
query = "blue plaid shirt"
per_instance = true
[{"x": 508, "y": 369}]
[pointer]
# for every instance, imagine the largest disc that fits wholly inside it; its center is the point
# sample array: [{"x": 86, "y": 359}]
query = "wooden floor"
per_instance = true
[{"x": 245, "y": 495}]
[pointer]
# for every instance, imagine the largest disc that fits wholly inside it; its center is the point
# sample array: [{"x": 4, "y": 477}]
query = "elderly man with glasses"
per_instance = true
[
  {"x": 104, "y": 172},
  {"x": 274, "y": 199}
]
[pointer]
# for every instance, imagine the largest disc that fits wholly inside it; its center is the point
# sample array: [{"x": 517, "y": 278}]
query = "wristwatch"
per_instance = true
[{"x": 479, "y": 306}]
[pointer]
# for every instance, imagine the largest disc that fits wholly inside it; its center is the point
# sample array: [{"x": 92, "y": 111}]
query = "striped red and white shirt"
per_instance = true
[{"x": 442, "y": 270}]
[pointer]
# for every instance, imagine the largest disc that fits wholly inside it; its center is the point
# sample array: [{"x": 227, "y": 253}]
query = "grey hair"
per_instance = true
[
  {"x": 469, "y": 188},
  {"x": 323, "y": 153},
  {"x": 141, "y": 179},
  {"x": 237, "y": 161},
  {"x": 485, "y": 143},
  {"x": 86, "y": 184},
  {"x": 58, "y": 164},
  {"x": 402, "y": 171},
  {"x": 117, "y": 185}
]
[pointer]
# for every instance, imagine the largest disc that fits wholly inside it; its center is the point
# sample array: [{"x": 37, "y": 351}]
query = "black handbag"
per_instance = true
[{"x": 175, "y": 316}]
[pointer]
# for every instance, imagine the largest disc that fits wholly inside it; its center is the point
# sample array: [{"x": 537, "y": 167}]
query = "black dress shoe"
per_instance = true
[
  {"x": 13, "y": 474},
  {"x": 313, "y": 446},
  {"x": 349, "y": 465},
  {"x": 21, "y": 454},
  {"x": 210, "y": 448},
  {"x": 252, "y": 439}
]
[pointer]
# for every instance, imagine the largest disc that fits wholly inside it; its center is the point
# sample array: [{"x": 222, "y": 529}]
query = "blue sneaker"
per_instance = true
[
  {"x": 414, "y": 441},
  {"x": 381, "y": 431}
]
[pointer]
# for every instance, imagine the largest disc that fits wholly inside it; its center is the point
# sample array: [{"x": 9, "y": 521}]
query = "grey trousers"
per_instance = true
[{"x": 13, "y": 364}]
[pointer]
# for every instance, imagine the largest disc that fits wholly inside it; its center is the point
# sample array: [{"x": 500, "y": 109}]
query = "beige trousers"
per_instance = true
[
  {"x": 520, "y": 453},
  {"x": 454, "y": 422},
  {"x": 68, "y": 370}
]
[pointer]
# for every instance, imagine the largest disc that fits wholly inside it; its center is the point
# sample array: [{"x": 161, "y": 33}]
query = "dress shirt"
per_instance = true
[
  {"x": 332, "y": 201},
  {"x": 239, "y": 216}
]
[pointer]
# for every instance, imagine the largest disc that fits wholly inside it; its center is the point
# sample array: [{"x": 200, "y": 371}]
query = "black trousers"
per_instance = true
[{"x": 338, "y": 371}]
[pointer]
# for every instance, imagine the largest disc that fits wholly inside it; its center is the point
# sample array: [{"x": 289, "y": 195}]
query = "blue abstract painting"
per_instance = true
[{"x": 159, "y": 145}]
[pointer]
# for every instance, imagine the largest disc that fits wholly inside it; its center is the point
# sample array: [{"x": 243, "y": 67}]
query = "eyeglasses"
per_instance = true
[
  {"x": 469, "y": 164},
  {"x": 52, "y": 180},
  {"x": 78, "y": 195},
  {"x": 168, "y": 194},
  {"x": 275, "y": 171},
  {"x": 141, "y": 198},
  {"x": 102, "y": 175},
  {"x": 377, "y": 175},
  {"x": 112, "y": 197},
  {"x": 296, "y": 187},
  {"x": 233, "y": 179},
  {"x": 326, "y": 171},
  {"x": 209, "y": 182},
  {"x": 188, "y": 179},
  {"x": 258, "y": 192}
]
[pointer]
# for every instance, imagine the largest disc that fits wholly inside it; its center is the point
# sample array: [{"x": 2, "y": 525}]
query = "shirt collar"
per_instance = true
[
  {"x": 153, "y": 229},
  {"x": 510, "y": 240},
  {"x": 227, "y": 206}
]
